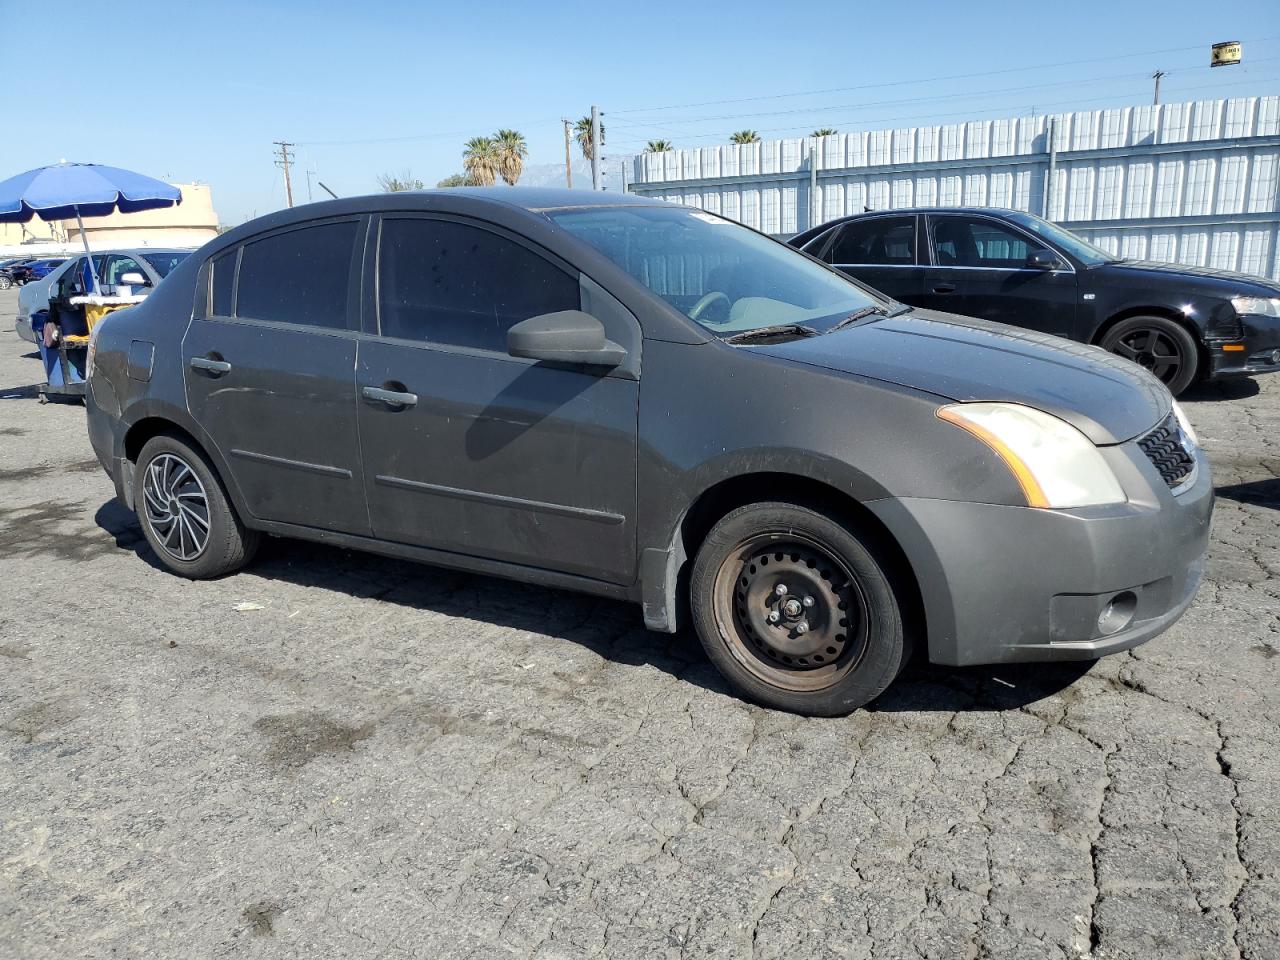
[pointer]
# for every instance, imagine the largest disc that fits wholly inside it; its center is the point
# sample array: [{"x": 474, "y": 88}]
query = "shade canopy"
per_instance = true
[{"x": 64, "y": 191}]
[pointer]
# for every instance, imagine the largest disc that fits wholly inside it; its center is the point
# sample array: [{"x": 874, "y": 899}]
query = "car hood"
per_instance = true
[
  {"x": 1231, "y": 281},
  {"x": 1108, "y": 399}
]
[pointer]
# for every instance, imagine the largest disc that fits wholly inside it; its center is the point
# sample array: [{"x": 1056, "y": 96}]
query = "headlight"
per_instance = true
[
  {"x": 1185, "y": 424},
  {"x": 1055, "y": 464},
  {"x": 1258, "y": 306}
]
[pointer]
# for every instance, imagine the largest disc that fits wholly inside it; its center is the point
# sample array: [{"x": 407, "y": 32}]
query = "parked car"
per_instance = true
[
  {"x": 1182, "y": 323},
  {"x": 112, "y": 265},
  {"x": 647, "y": 402},
  {"x": 41, "y": 269},
  {"x": 10, "y": 267}
]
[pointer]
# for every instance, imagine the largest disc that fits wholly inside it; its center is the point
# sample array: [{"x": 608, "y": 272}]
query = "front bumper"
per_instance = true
[
  {"x": 23, "y": 327},
  {"x": 1256, "y": 351},
  {"x": 1005, "y": 584}
]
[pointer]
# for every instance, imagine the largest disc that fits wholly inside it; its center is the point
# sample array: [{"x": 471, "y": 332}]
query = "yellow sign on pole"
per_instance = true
[{"x": 1227, "y": 53}]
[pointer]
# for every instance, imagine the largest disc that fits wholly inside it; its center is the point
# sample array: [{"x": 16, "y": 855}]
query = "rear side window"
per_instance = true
[
  {"x": 223, "y": 284},
  {"x": 877, "y": 241},
  {"x": 451, "y": 283},
  {"x": 301, "y": 276}
]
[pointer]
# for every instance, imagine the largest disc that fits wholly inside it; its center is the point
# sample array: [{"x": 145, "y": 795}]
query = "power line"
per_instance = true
[
  {"x": 895, "y": 83},
  {"x": 416, "y": 136}
]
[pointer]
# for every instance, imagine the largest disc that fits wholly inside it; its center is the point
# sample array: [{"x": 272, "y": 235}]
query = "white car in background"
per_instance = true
[{"x": 112, "y": 265}]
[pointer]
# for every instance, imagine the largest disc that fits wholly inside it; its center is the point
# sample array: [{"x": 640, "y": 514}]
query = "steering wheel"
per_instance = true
[{"x": 707, "y": 300}]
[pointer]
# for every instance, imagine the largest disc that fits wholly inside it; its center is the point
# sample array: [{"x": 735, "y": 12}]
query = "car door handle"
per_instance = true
[
  {"x": 215, "y": 367},
  {"x": 944, "y": 288},
  {"x": 392, "y": 398}
]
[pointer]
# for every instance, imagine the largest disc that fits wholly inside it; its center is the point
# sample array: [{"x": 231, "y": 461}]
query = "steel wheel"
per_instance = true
[
  {"x": 791, "y": 611},
  {"x": 1154, "y": 349},
  {"x": 176, "y": 507}
]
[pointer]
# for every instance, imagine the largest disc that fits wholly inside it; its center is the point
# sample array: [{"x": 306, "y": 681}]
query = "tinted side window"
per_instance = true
[
  {"x": 879, "y": 240},
  {"x": 298, "y": 277},
  {"x": 977, "y": 242},
  {"x": 451, "y": 283},
  {"x": 223, "y": 283}
]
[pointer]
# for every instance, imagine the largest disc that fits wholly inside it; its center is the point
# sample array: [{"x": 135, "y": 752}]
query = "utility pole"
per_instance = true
[
  {"x": 284, "y": 161},
  {"x": 1156, "y": 77},
  {"x": 568, "y": 164},
  {"x": 597, "y": 179}
]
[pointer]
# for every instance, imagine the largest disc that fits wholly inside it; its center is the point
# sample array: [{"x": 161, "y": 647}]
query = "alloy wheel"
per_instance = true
[
  {"x": 1154, "y": 349},
  {"x": 791, "y": 611},
  {"x": 176, "y": 507}
]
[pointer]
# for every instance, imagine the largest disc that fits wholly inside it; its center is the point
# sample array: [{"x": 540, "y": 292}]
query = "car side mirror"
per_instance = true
[
  {"x": 134, "y": 279},
  {"x": 567, "y": 336},
  {"x": 1043, "y": 260}
]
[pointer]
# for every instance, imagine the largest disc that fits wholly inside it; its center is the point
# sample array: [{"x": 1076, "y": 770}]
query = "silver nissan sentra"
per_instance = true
[{"x": 648, "y": 402}]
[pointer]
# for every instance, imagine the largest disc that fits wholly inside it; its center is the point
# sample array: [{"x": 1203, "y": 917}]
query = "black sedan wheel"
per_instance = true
[
  {"x": 185, "y": 514},
  {"x": 796, "y": 611},
  {"x": 5, "y": 282},
  {"x": 1162, "y": 346}
]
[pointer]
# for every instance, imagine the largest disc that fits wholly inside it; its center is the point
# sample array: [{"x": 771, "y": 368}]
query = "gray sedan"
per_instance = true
[{"x": 651, "y": 403}]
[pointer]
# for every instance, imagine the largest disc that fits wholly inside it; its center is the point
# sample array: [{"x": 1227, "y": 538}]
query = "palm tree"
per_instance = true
[
  {"x": 453, "y": 180},
  {"x": 511, "y": 151},
  {"x": 745, "y": 136},
  {"x": 480, "y": 159},
  {"x": 582, "y": 133},
  {"x": 824, "y": 132},
  {"x": 659, "y": 146}
]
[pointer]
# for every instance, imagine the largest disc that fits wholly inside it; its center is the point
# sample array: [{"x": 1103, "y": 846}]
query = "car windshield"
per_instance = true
[
  {"x": 162, "y": 263},
  {"x": 1082, "y": 250},
  {"x": 716, "y": 272}
]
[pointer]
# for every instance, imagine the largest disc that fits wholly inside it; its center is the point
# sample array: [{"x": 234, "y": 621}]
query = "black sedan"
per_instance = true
[
  {"x": 648, "y": 402},
  {"x": 1182, "y": 323}
]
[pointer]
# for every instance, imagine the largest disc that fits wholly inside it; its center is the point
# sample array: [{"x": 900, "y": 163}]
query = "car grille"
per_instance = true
[{"x": 1170, "y": 450}]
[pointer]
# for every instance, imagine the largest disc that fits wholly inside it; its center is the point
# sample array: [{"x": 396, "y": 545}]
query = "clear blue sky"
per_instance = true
[{"x": 198, "y": 91}]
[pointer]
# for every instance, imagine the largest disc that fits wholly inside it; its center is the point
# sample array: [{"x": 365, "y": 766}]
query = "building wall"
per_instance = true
[
  {"x": 188, "y": 224},
  {"x": 1195, "y": 183}
]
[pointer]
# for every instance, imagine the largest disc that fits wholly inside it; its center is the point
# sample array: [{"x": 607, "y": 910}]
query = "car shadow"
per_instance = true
[
  {"x": 1237, "y": 388},
  {"x": 1259, "y": 493},
  {"x": 609, "y": 628},
  {"x": 25, "y": 392}
]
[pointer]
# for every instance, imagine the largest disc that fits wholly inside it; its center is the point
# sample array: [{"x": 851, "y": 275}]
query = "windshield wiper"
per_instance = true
[
  {"x": 777, "y": 330},
  {"x": 872, "y": 311}
]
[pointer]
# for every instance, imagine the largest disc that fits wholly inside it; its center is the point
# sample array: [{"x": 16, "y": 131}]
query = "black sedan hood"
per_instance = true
[
  {"x": 1230, "y": 281},
  {"x": 1108, "y": 399}
]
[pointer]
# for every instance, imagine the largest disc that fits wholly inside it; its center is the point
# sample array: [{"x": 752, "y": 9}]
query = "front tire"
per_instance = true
[
  {"x": 796, "y": 610},
  {"x": 1162, "y": 346},
  {"x": 185, "y": 514}
]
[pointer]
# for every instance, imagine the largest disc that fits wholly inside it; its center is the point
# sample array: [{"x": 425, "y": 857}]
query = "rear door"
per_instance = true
[
  {"x": 470, "y": 450},
  {"x": 979, "y": 269},
  {"x": 881, "y": 252},
  {"x": 270, "y": 362}
]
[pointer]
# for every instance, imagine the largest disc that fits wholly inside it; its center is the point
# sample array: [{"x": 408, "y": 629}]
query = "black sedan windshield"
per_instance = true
[
  {"x": 1082, "y": 250},
  {"x": 719, "y": 273}
]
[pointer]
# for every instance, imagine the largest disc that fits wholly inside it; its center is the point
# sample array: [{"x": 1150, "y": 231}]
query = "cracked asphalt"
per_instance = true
[{"x": 389, "y": 760}]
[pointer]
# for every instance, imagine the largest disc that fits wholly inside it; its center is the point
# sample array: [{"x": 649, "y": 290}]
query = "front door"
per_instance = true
[
  {"x": 270, "y": 369},
  {"x": 470, "y": 450},
  {"x": 980, "y": 270},
  {"x": 881, "y": 252}
]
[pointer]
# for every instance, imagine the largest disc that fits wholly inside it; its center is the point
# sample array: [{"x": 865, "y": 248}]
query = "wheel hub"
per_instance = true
[{"x": 793, "y": 606}]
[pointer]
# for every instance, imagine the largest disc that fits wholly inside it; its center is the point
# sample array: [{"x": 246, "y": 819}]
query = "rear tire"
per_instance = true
[
  {"x": 797, "y": 611},
  {"x": 1163, "y": 347},
  {"x": 185, "y": 513}
]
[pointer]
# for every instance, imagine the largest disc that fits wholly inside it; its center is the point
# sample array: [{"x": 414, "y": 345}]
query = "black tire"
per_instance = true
[
  {"x": 854, "y": 643},
  {"x": 1160, "y": 345},
  {"x": 228, "y": 545},
  {"x": 5, "y": 283}
]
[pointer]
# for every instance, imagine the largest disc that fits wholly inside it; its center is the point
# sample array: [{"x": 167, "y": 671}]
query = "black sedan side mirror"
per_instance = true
[
  {"x": 1043, "y": 260},
  {"x": 567, "y": 336}
]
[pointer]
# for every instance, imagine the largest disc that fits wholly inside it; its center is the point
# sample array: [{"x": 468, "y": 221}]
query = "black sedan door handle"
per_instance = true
[
  {"x": 215, "y": 367},
  {"x": 944, "y": 288},
  {"x": 392, "y": 398}
]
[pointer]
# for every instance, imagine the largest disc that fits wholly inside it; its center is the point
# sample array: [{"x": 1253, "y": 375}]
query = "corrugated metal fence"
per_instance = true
[{"x": 1195, "y": 183}]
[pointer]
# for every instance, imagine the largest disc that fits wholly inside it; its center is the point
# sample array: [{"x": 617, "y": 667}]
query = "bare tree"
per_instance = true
[{"x": 392, "y": 183}]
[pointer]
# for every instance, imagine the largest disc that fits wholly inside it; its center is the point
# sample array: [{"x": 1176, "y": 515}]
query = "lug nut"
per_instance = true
[
  {"x": 780, "y": 589},
  {"x": 774, "y": 616},
  {"x": 802, "y": 627},
  {"x": 808, "y": 601}
]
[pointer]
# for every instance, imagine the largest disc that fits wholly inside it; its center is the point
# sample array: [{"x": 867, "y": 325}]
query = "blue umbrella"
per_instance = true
[{"x": 66, "y": 190}]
